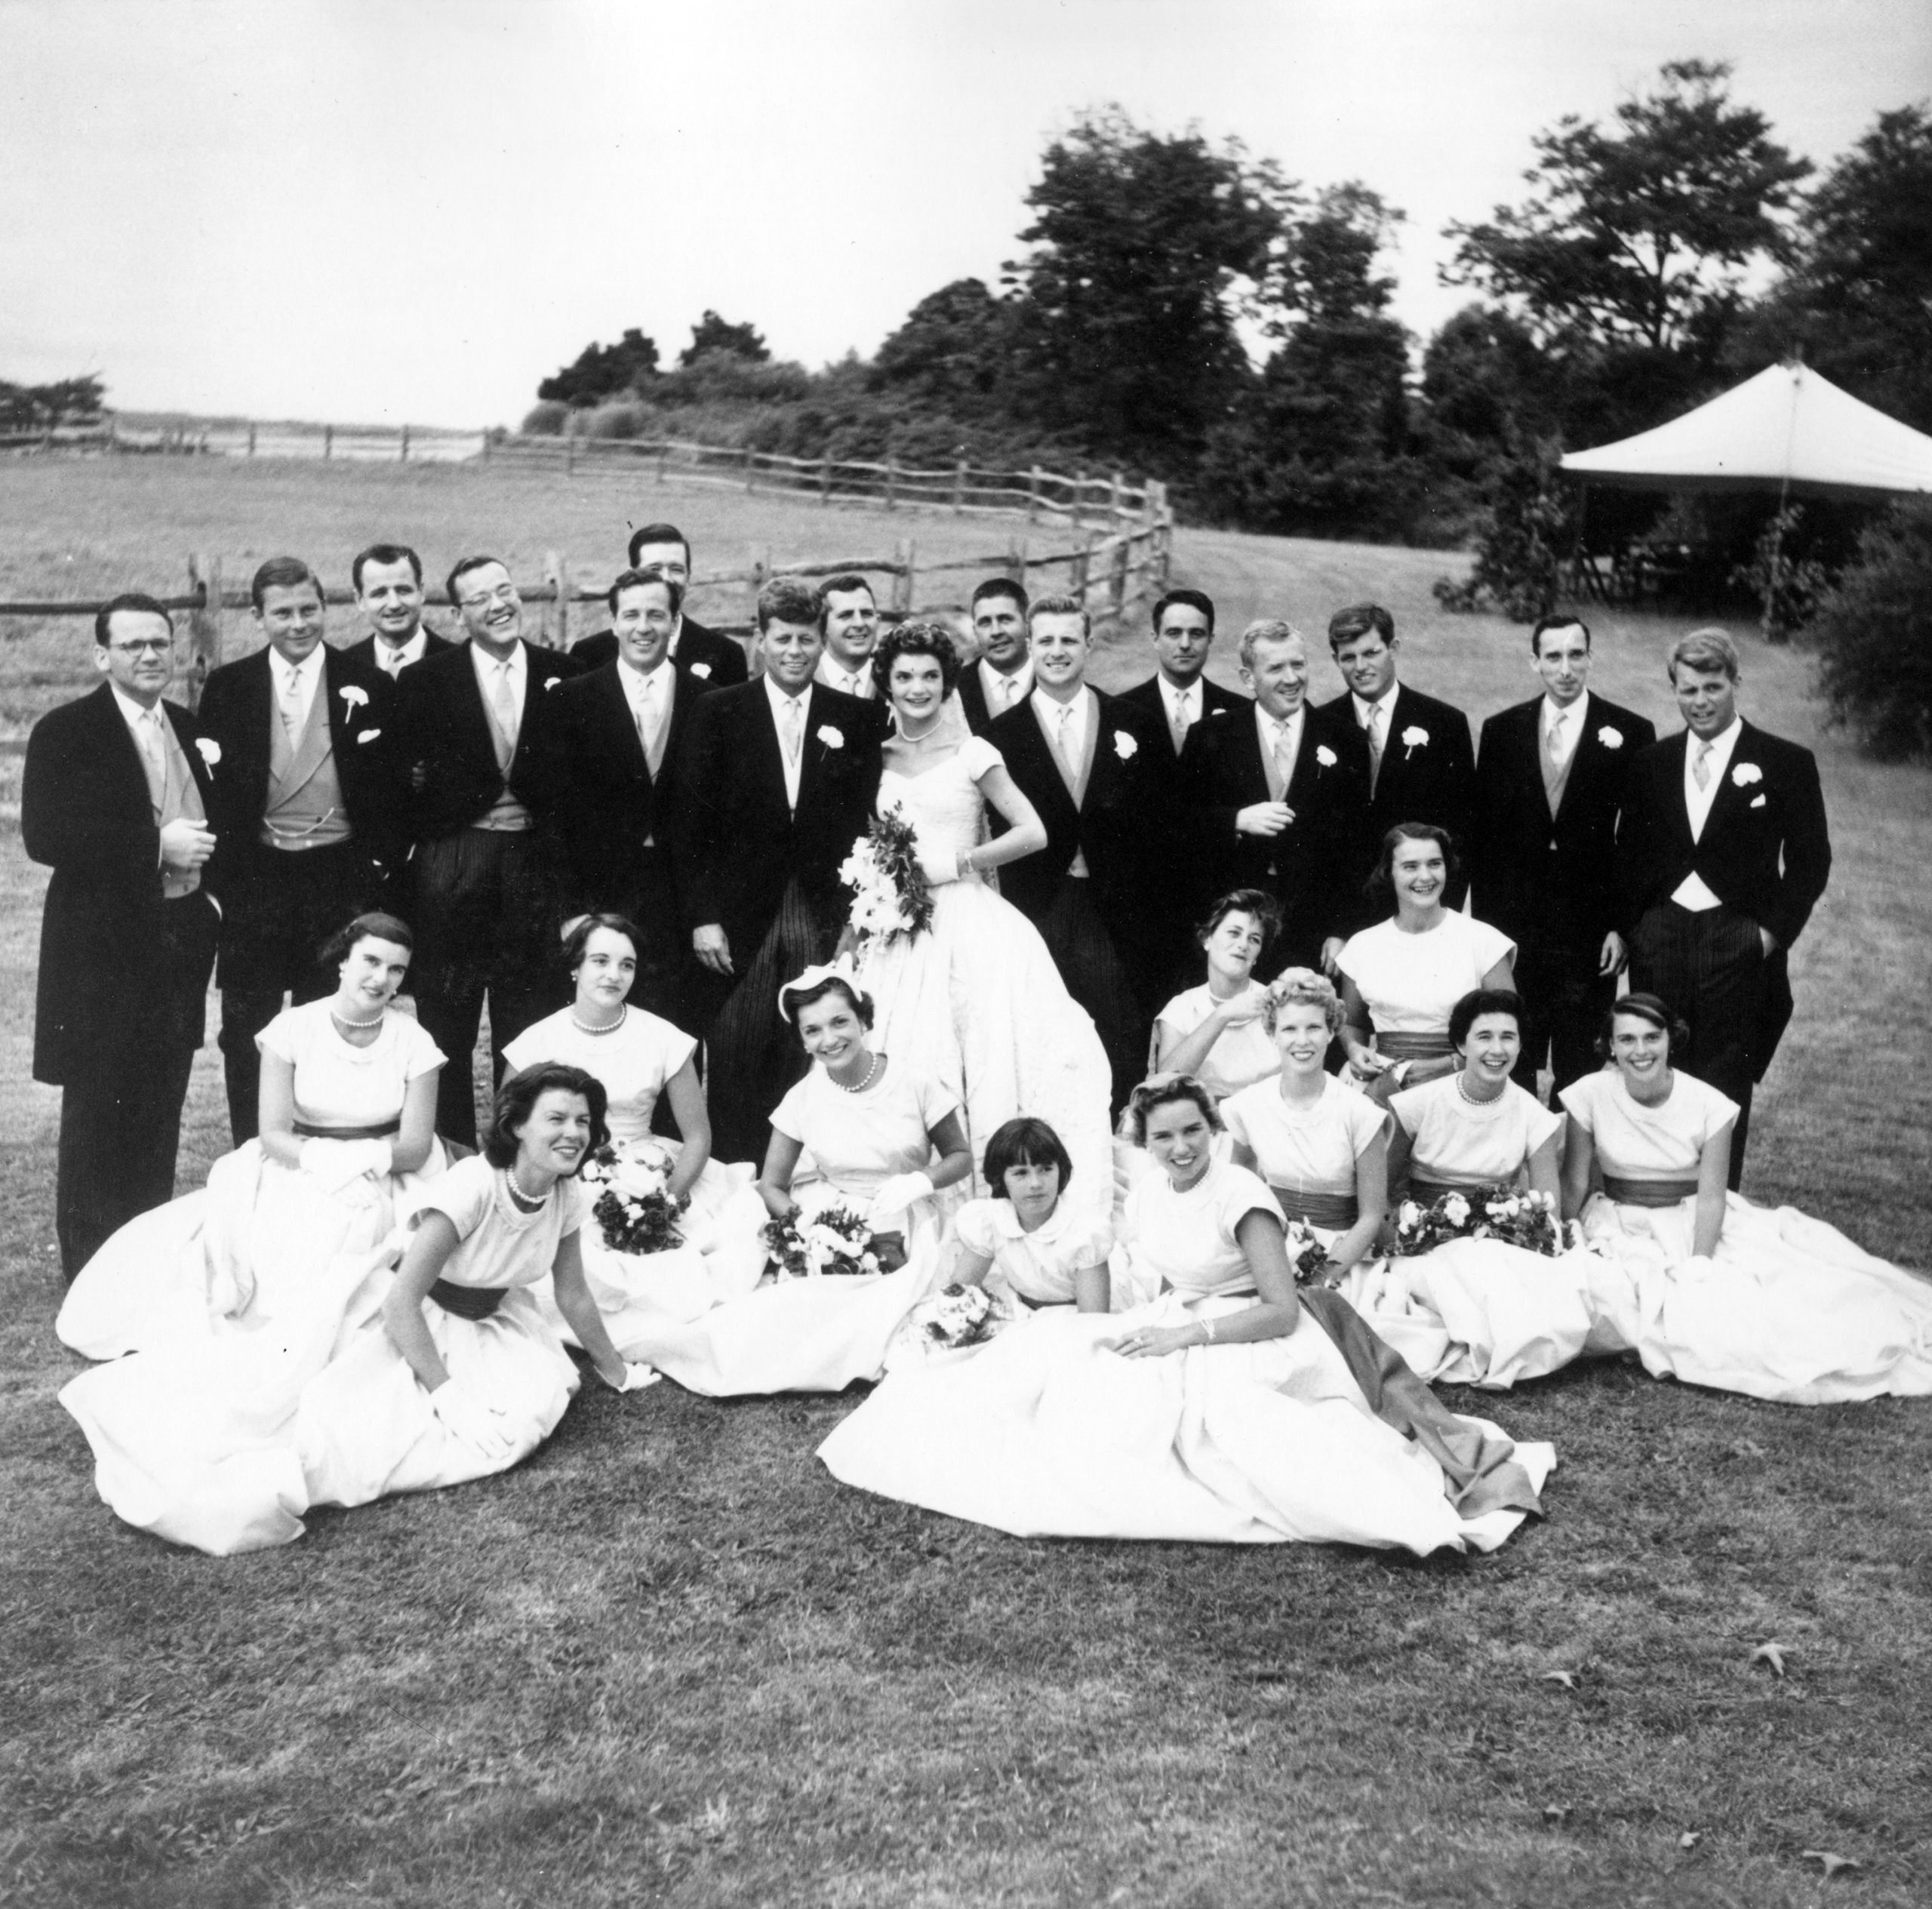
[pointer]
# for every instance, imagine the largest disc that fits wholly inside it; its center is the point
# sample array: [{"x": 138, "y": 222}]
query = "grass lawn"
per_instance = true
[{"x": 669, "y": 1660}]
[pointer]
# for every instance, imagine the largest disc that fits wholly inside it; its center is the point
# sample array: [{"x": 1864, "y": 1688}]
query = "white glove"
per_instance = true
[
  {"x": 896, "y": 1194},
  {"x": 939, "y": 865},
  {"x": 465, "y": 1416},
  {"x": 334, "y": 1163},
  {"x": 636, "y": 1378}
]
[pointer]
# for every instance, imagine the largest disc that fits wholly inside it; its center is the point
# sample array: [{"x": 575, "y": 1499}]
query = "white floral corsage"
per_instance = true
[{"x": 1745, "y": 773}]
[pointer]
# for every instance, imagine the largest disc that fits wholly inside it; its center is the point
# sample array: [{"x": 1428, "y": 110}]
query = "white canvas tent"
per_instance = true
[{"x": 1787, "y": 429}]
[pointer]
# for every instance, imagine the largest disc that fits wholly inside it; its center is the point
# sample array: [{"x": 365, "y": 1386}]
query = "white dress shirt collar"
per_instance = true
[
  {"x": 132, "y": 712},
  {"x": 1566, "y": 723},
  {"x": 392, "y": 658},
  {"x": 300, "y": 679},
  {"x": 1386, "y": 702},
  {"x": 1004, "y": 692}
]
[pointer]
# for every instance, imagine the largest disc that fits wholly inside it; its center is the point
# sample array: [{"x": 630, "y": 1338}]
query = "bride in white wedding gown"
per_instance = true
[{"x": 975, "y": 1002}]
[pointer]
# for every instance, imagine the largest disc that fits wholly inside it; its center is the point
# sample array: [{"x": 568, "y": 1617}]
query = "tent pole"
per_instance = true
[{"x": 1776, "y": 562}]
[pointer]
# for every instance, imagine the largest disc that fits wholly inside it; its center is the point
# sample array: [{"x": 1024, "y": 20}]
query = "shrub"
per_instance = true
[
  {"x": 622, "y": 419},
  {"x": 545, "y": 420},
  {"x": 1519, "y": 549},
  {"x": 1874, "y": 633}
]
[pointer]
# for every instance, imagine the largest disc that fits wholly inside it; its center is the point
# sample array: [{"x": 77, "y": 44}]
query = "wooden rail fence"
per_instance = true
[{"x": 1111, "y": 573}]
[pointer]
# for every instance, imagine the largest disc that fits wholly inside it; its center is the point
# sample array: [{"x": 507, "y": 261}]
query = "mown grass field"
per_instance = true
[{"x": 669, "y": 1660}]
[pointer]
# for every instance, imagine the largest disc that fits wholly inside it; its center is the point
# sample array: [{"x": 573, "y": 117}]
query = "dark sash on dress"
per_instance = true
[
  {"x": 1647, "y": 1193},
  {"x": 1423, "y": 1189},
  {"x": 467, "y": 1302},
  {"x": 1333, "y": 1212},
  {"x": 1414, "y": 1047},
  {"x": 305, "y": 1131}
]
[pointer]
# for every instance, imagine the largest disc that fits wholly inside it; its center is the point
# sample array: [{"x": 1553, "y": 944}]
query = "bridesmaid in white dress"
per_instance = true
[
  {"x": 430, "y": 1373},
  {"x": 1401, "y": 977},
  {"x": 886, "y": 1138},
  {"x": 1321, "y": 1145},
  {"x": 1227, "y": 1410},
  {"x": 976, "y": 1002},
  {"x": 1762, "y": 1300},
  {"x": 639, "y": 1056},
  {"x": 347, "y": 1115},
  {"x": 1218, "y": 1032}
]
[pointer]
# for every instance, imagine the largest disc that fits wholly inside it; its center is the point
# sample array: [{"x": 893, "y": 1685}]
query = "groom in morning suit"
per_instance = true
[
  {"x": 624, "y": 731},
  {"x": 114, "y": 800},
  {"x": 779, "y": 782},
  {"x": 308, "y": 812},
  {"x": 1273, "y": 796},
  {"x": 1422, "y": 765},
  {"x": 1549, "y": 788},
  {"x": 479, "y": 726},
  {"x": 1096, "y": 768},
  {"x": 1723, "y": 852},
  {"x": 703, "y": 654}
]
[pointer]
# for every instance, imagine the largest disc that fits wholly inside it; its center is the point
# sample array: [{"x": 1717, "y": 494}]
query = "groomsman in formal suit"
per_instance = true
[
  {"x": 1721, "y": 855},
  {"x": 849, "y": 617},
  {"x": 624, "y": 732},
  {"x": 308, "y": 809},
  {"x": 703, "y": 654},
  {"x": 389, "y": 592},
  {"x": 480, "y": 723},
  {"x": 1422, "y": 765},
  {"x": 114, "y": 800},
  {"x": 1549, "y": 788},
  {"x": 1096, "y": 768},
  {"x": 1002, "y": 674},
  {"x": 779, "y": 784},
  {"x": 1274, "y": 794},
  {"x": 1179, "y": 693}
]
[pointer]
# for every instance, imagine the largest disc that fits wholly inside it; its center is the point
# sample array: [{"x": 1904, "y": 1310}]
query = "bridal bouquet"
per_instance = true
[
  {"x": 811, "y": 1246},
  {"x": 634, "y": 1212},
  {"x": 1524, "y": 1219},
  {"x": 959, "y": 1315},
  {"x": 889, "y": 895},
  {"x": 1307, "y": 1256}
]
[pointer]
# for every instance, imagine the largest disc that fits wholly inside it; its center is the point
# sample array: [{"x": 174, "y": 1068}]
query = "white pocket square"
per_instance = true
[{"x": 1757, "y": 801}]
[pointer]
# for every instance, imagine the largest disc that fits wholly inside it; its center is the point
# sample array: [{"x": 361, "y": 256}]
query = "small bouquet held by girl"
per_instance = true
[
  {"x": 890, "y": 893},
  {"x": 634, "y": 1212},
  {"x": 1517, "y": 1217}
]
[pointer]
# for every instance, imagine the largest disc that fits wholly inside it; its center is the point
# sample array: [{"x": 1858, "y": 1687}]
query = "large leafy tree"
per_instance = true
[
  {"x": 1640, "y": 234},
  {"x": 601, "y": 371},
  {"x": 711, "y": 332},
  {"x": 1858, "y": 301},
  {"x": 954, "y": 352},
  {"x": 1146, "y": 250},
  {"x": 42, "y": 407}
]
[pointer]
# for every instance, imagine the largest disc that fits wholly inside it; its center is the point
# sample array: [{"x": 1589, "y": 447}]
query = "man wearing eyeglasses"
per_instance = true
[
  {"x": 308, "y": 808},
  {"x": 115, "y": 800},
  {"x": 482, "y": 729}
]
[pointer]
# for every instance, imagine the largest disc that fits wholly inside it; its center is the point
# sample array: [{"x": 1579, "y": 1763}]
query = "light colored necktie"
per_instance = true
[
  {"x": 651, "y": 723},
  {"x": 792, "y": 731},
  {"x": 291, "y": 706},
  {"x": 1064, "y": 743},
  {"x": 390, "y": 657},
  {"x": 1700, "y": 769},
  {"x": 1179, "y": 725},
  {"x": 1285, "y": 757},
  {"x": 503, "y": 700},
  {"x": 1556, "y": 740},
  {"x": 1377, "y": 713},
  {"x": 154, "y": 759}
]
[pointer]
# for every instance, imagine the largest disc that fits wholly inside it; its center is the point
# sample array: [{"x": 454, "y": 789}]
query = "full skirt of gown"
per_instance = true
[
  {"x": 1787, "y": 1310},
  {"x": 223, "y": 1441},
  {"x": 1045, "y": 1431}
]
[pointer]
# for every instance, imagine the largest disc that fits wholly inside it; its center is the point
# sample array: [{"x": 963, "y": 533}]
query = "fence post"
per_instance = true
[
  {"x": 904, "y": 559},
  {"x": 405, "y": 458},
  {"x": 557, "y": 574},
  {"x": 1019, "y": 563},
  {"x": 1079, "y": 494},
  {"x": 751, "y": 470},
  {"x": 1033, "y": 493},
  {"x": 1082, "y": 566},
  {"x": 1118, "y": 580},
  {"x": 663, "y": 456},
  {"x": 203, "y": 624},
  {"x": 825, "y": 479},
  {"x": 959, "y": 489},
  {"x": 891, "y": 469},
  {"x": 1114, "y": 510},
  {"x": 328, "y": 443}
]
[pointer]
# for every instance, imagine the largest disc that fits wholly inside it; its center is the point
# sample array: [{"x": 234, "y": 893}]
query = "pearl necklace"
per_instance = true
[
  {"x": 525, "y": 1202},
  {"x": 1462, "y": 1088},
  {"x": 346, "y": 1024},
  {"x": 583, "y": 1026},
  {"x": 872, "y": 1074}
]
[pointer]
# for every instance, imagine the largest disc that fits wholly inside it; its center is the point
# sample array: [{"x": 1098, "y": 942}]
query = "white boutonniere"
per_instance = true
[
  {"x": 353, "y": 698},
  {"x": 1745, "y": 773},
  {"x": 210, "y": 751},
  {"x": 832, "y": 738},
  {"x": 1124, "y": 746},
  {"x": 1414, "y": 736},
  {"x": 700, "y": 669},
  {"x": 366, "y": 735},
  {"x": 1610, "y": 738},
  {"x": 1324, "y": 756}
]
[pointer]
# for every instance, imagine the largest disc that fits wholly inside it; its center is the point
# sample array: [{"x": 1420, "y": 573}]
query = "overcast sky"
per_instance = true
[{"x": 390, "y": 210}]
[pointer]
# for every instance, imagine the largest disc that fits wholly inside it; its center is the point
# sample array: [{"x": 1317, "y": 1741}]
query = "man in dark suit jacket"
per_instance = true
[
  {"x": 624, "y": 734},
  {"x": 1179, "y": 694},
  {"x": 114, "y": 799},
  {"x": 1549, "y": 788},
  {"x": 780, "y": 780},
  {"x": 308, "y": 810},
  {"x": 1422, "y": 762},
  {"x": 700, "y": 653},
  {"x": 479, "y": 729},
  {"x": 1273, "y": 796},
  {"x": 1096, "y": 769},
  {"x": 1001, "y": 676},
  {"x": 1723, "y": 852},
  {"x": 389, "y": 592}
]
